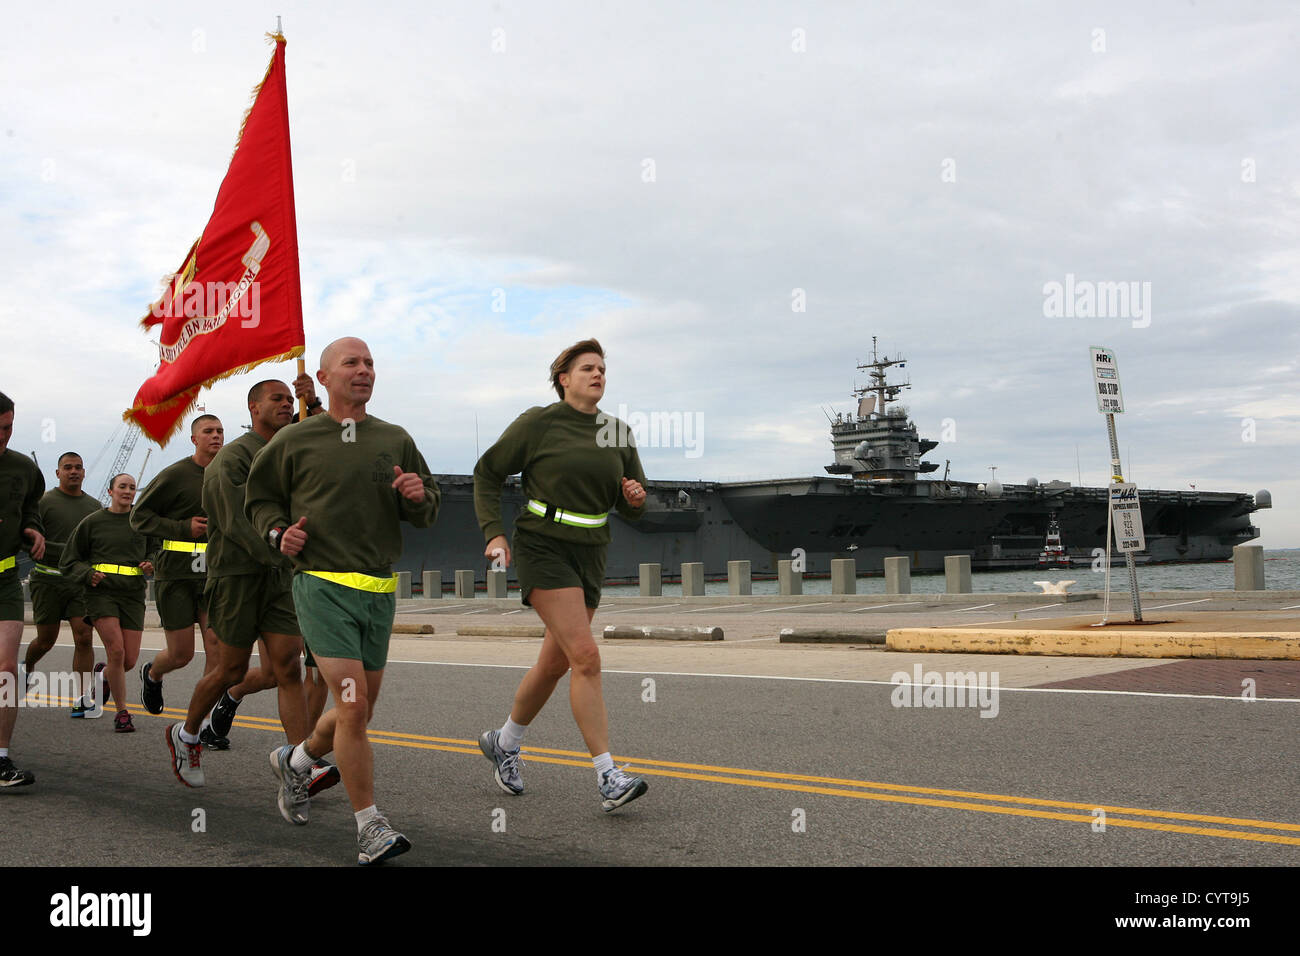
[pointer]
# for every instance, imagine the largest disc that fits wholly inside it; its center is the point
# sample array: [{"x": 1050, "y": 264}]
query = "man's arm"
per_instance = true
[
  {"x": 75, "y": 563},
  {"x": 421, "y": 514},
  {"x": 146, "y": 518},
  {"x": 224, "y": 482},
  {"x": 266, "y": 496}
]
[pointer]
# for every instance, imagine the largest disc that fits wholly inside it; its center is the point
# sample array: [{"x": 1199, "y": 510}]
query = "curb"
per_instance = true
[{"x": 1110, "y": 643}]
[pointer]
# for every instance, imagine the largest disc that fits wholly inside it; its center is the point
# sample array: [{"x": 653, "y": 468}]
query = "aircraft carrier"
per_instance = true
[{"x": 872, "y": 504}]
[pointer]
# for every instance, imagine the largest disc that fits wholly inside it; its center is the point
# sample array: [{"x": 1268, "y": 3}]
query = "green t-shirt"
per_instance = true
[
  {"x": 60, "y": 514},
  {"x": 105, "y": 538},
  {"x": 571, "y": 460},
  {"x": 21, "y": 487},
  {"x": 339, "y": 476},
  {"x": 164, "y": 509},
  {"x": 233, "y": 546}
]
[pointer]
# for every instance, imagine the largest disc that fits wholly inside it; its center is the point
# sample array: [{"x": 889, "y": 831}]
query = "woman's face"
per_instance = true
[
  {"x": 123, "y": 491},
  {"x": 585, "y": 379}
]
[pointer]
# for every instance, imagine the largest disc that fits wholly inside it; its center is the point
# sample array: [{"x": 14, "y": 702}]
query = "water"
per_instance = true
[{"x": 1281, "y": 573}]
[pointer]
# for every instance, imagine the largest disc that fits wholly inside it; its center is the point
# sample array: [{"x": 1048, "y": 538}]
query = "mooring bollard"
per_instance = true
[
  {"x": 898, "y": 576},
  {"x": 738, "y": 579},
  {"x": 693, "y": 579},
  {"x": 652, "y": 580},
  {"x": 464, "y": 584},
  {"x": 790, "y": 580},
  {"x": 431, "y": 582},
  {"x": 496, "y": 584},
  {"x": 844, "y": 576},
  {"x": 956, "y": 573},
  {"x": 403, "y": 584}
]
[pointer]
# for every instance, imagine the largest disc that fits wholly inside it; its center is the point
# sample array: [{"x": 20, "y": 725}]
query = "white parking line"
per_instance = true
[
  {"x": 1291, "y": 607},
  {"x": 713, "y": 607},
  {"x": 652, "y": 607},
  {"x": 772, "y": 609},
  {"x": 1041, "y": 607},
  {"x": 977, "y": 607},
  {"x": 1179, "y": 604},
  {"x": 426, "y": 610},
  {"x": 877, "y": 607}
]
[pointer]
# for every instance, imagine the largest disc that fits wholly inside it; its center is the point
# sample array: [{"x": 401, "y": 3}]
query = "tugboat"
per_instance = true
[{"x": 1053, "y": 554}]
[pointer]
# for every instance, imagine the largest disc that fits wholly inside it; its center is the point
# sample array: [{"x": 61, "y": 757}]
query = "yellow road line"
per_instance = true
[{"x": 802, "y": 783}]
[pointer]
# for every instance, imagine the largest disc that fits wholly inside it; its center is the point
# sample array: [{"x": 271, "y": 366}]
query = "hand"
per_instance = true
[
  {"x": 408, "y": 484},
  {"x": 294, "y": 538},
  {"x": 37, "y": 540},
  {"x": 96, "y": 577},
  {"x": 633, "y": 492},
  {"x": 198, "y": 527},
  {"x": 147, "y": 567},
  {"x": 305, "y": 388},
  {"x": 497, "y": 548}
]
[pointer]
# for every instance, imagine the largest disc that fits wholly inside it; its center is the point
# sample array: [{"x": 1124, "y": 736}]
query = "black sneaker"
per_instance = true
[
  {"x": 151, "y": 698},
  {"x": 104, "y": 692},
  {"x": 223, "y": 715},
  {"x": 11, "y": 776},
  {"x": 209, "y": 739}
]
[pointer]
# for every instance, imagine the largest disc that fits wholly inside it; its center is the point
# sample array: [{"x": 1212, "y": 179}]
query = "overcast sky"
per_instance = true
[{"x": 678, "y": 180}]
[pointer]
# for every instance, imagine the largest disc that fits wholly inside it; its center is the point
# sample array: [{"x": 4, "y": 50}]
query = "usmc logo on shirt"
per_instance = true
[{"x": 382, "y": 469}]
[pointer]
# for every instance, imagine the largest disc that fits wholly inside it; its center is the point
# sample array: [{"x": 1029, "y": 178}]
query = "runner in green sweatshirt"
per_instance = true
[
  {"x": 110, "y": 559},
  {"x": 171, "y": 509},
  {"x": 54, "y": 599},
  {"x": 21, "y": 486},
  {"x": 577, "y": 464},
  {"x": 330, "y": 493}
]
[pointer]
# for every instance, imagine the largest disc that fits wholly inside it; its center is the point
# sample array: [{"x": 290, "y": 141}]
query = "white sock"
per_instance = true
[
  {"x": 301, "y": 761},
  {"x": 233, "y": 697},
  {"x": 511, "y": 735},
  {"x": 603, "y": 763},
  {"x": 365, "y": 816},
  {"x": 188, "y": 737}
]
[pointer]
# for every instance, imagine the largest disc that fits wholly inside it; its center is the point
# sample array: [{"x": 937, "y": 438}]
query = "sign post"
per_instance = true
[{"x": 1125, "y": 511}]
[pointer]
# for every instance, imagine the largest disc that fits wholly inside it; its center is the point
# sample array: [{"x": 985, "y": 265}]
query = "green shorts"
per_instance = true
[
  {"x": 545, "y": 562},
  {"x": 56, "y": 599},
  {"x": 344, "y": 622},
  {"x": 180, "y": 601},
  {"x": 126, "y": 606},
  {"x": 11, "y": 596},
  {"x": 243, "y": 607}
]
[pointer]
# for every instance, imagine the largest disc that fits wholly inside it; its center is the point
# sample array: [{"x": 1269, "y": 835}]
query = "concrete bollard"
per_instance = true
[
  {"x": 738, "y": 580},
  {"x": 464, "y": 584},
  {"x": 662, "y": 633},
  {"x": 150, "y": 592},
  {"x": 652, "y": 580},
  {"x": 956, "y": 573},
  {"x": 844, "y": 576},
  {"x": 496, "y": 584},
  {"x": 790, "y": 580},
  {"x": 403, "y": 584},
  {"x": 1248, "y": 567},
  {"x": 693, "y": 579},
  {"x": 27, "y": 593},
  {"x": 431, "y": 582},
  {"x": 898, "y": 576}
]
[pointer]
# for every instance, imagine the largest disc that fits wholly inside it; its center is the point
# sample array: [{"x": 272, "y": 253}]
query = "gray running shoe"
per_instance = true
[
  {"x": 617, "y": 788},
  {"x": 185, "y": 757},
  {"x": 506, "y": 761},
  {"x": 378, "y": 841},
  {"x": 294, "y": 802}
]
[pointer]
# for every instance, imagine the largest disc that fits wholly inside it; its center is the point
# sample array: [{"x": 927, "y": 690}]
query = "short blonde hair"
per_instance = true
[{"x": 564, "y": 361}]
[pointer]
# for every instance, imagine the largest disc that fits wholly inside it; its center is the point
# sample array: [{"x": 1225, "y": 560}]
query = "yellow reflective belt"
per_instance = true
[
  {"x": 7, "y": 563},
  {"x": 117, "y": 569},
  {"x": 189, "y": 547},
  {"x": 358, "y": 582},
  {"x": 574, "y": 518},
  {"x": 46, "y": 569}
]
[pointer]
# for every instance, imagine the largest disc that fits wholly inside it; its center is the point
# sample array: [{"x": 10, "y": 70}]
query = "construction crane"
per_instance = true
[{"x": 119, "y": 463}]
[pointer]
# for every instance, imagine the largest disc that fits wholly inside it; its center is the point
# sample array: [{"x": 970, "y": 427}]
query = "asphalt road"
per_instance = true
[{"x": 744, "y": 771}]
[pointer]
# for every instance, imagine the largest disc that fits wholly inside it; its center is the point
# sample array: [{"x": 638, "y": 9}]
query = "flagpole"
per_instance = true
[{"x": 302, "y": 402}]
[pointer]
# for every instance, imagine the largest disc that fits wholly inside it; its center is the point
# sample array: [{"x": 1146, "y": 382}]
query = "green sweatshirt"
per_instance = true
[
  {"x": 60, "y": 514},
  {"x": 21, "y": 487},
  {"x": 233, "y": 546},
  {"x": 339, "y": 476},
  {"x": 570, "y": 460},
  {"x": 164, "y": 509},
  {"x": 105, "y": 538}
]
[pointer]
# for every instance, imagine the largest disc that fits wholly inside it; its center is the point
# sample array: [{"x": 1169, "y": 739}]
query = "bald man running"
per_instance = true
[{"x": 330, "y": 493}]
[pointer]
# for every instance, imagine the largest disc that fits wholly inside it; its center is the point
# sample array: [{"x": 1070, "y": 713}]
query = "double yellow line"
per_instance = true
[{"x": 1007, "y": 804}]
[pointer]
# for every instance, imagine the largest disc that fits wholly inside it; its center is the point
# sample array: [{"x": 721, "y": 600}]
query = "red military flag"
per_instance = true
[{"x": 236, "y": 301}]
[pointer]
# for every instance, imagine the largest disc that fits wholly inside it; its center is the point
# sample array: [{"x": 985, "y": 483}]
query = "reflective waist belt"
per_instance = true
[
  {"x": 574, "y": 518},
  {"x": 358, "y": 582},
  {"x": 189, "y": 547},
  {"x": 46, "y": 569},
  {"x": 116, "y": 569},
  {"x": 7, "y": 563}
]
